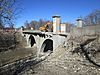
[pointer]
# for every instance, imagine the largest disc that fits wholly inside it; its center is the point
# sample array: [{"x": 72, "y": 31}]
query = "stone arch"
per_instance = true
[
  {"x": 47, "y": 45},
  {"x": 32, "y": 40}
]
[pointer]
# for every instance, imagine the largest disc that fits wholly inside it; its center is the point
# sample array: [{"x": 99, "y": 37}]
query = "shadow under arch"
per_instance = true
[
  {"x": 32, "y": 40},
  {"x": 47, "y": 45}
]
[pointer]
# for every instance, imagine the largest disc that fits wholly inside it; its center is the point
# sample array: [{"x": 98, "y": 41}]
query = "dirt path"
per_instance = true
[
  {"x": 62, "y": 62},
  {"x": 13, "y": 55}
]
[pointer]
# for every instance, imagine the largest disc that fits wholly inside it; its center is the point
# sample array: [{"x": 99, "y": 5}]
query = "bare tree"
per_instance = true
[
  {"x": 35, "y": 24},
  {"x": 7, "y": 12},
  {"x": 27, "y": 25},
  {"x": 42, "y": 22},
  {"x": 93, "y": 18}
]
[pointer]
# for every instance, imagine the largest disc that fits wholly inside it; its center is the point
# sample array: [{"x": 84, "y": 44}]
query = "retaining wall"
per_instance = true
[{"x": 88, "y": 30}]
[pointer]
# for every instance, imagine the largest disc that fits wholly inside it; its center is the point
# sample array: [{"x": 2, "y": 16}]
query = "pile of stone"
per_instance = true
[{"x": 88, "y": 47}]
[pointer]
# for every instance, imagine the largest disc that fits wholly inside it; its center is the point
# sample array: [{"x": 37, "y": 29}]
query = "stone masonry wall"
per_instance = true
[{"x": 88, "y": 30}]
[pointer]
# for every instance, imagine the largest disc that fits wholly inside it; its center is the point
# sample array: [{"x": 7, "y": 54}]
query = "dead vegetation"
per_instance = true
[
  {"x": 88, "y": 47},
  {"x": 11, "y": 41},
  {"x": 7, "y": 40}
]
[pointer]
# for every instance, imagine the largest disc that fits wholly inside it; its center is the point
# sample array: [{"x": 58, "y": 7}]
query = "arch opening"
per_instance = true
[
  {"x": 32, "y": 40},
  {"x": 47, "y": 45}
]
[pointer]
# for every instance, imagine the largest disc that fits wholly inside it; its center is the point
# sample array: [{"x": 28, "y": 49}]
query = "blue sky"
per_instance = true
[{"x": 69, "y": 10}]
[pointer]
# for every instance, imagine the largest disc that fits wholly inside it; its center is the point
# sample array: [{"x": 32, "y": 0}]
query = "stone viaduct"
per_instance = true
[{"x": 46, "y": 41}]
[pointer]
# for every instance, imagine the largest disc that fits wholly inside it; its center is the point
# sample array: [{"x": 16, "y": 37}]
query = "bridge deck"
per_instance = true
[
  {"x": 46, "y": 33},
  {"x": 36, "y": 32}
]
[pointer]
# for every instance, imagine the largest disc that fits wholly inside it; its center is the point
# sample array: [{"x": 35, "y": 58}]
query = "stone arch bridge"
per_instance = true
[{"x": 44, "y": 41}]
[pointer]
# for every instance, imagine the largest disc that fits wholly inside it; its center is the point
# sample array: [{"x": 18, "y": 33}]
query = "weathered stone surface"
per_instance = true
[{"x": 62, "y": 62}]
